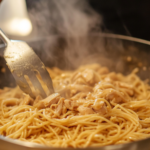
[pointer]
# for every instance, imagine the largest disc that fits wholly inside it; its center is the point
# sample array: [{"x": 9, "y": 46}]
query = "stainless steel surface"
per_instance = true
[
  {"x": 7, "y": 144},
  {"x": 22, "y": 61},
  {"x": 113, "y": 52}
]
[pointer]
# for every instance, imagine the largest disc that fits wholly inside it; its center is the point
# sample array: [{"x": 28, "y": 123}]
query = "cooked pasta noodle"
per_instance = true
[{"x": 91, "y": 107}]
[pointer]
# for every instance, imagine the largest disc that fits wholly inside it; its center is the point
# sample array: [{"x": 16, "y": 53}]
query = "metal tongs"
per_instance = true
[{"x": 28, "y": 70}]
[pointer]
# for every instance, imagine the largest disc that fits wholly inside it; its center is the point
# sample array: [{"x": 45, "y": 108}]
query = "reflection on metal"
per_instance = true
[{"x": 14, "y": 19}]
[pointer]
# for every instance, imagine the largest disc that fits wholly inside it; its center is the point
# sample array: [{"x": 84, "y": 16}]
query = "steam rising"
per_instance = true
[
  {"x": 75, "y": 18},
  {"x": 73, "y": 31},
  {"x": 65, "y": 17},
  {"x": 74, "y": 21}
]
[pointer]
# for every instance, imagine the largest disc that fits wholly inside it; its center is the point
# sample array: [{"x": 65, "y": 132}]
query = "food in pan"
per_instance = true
[{"x": 91, "y": 107}]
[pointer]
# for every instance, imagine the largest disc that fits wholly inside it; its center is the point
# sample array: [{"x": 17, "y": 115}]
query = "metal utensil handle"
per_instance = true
[{"x": 4, "y": 37}]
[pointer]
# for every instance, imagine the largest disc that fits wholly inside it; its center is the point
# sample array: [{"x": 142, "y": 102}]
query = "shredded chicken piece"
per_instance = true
[
  {"x": 99, "y": 106},
  {"x": 68, "y": 105},
  {"x": 74, "y": 88},
  {"x": 83, "y": 107},
  {"x": 87, "y": 76},
  {"x": 59, "y": 110},
  {"x": 116, "y": 96},
  {"x": 80, "y": 80},
  {"x": 76, "y": 76},
  {"x": 90, "y": 96},
  {"x": 71, "y": 104},
  {"x": 47, "y": 102},
  {"x": 85, "y": 110},
  {"x": 64, "y": 109},
  {"x": 79, "y": 95}
]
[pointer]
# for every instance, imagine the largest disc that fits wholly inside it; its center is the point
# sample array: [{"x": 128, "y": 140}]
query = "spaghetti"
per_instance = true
[{"x": 91, "y": 107}]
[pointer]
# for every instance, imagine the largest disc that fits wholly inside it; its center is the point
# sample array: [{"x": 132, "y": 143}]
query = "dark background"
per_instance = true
[{"x": 127, "y": 17}]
